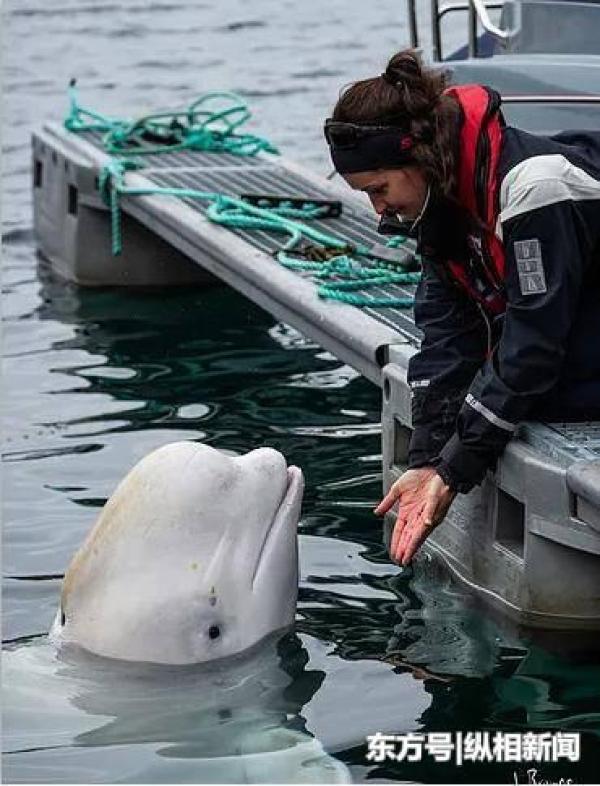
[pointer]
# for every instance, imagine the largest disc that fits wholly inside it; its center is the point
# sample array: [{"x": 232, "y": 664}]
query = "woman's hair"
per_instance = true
[{"x": 410, "y": 96}]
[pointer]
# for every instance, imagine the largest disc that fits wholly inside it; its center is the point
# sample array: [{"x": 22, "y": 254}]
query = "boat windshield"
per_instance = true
[
  {"x": 540, "y": 118},
  {"x": 552, "y": 26}
]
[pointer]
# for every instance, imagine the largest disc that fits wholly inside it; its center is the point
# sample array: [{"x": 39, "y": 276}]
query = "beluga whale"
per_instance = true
[
  {"x": 193, "y": 558},
  {"x": 173, "y": 662}
]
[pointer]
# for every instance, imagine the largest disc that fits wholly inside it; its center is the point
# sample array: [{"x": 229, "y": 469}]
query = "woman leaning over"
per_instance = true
[{"x": 508, "y": 226}]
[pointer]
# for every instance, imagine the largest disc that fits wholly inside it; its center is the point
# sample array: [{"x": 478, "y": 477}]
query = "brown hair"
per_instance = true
[{"x": 411, "y": 96}]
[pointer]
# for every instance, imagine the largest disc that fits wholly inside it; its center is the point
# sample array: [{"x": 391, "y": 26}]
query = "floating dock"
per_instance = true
[{"x": 527, "y": 540}]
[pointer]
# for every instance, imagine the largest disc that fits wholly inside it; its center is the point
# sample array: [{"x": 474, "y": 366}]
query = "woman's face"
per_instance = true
[{"x": 401, "y": 191}]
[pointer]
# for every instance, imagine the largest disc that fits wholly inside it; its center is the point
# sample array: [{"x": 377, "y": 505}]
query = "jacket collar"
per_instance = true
[{"x": 479, "y": 150}]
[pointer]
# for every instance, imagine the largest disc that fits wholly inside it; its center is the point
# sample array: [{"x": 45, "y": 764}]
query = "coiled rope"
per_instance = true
[
  {"x": 196, "y": 128},
  {"x": 342, "y": 269}
]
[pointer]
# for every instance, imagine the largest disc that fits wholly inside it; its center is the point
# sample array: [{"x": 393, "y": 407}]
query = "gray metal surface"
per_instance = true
[
  {"x": 584, "y": 479},
  {"x": 564, "y": 442},
  {"x": 535, "y": 75},
  {"x": 77, "y": 242},
  {"x": 233, "y": 175},
  {"x": 179, "y": 158}
]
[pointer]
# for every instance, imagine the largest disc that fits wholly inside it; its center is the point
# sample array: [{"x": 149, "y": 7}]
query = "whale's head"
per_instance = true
[{"x": 194, "y": 557}]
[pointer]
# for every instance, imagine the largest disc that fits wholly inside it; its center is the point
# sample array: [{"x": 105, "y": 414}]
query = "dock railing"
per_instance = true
[
  {"x": 478, "y": 14},
  {"x": 557, "y": 98}
]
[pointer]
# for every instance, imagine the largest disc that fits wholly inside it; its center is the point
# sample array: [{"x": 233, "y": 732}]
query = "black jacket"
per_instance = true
[{"x": 477, "y": 376}]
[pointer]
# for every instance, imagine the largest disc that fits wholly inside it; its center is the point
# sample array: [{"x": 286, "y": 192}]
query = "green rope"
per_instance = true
[
  {"x": 358, "y": 276},
  {"x": 224, "y": 210},
  {"x": 196, "y": 128},
  {"x": 343, "y": 269}
]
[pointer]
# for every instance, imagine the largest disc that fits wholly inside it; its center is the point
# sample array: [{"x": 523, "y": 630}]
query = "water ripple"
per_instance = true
[
  {"x": 42, "y": 453},
  {"x": 234, "y": 27}
]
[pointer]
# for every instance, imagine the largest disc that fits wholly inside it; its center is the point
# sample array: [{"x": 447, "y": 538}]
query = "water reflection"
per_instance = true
[
  {"x": 481, "y": 671},
  {"x": 175, "y": 349},
  {"x": 228, "y": 721}
]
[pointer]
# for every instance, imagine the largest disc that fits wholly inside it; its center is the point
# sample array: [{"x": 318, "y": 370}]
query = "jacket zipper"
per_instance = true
[{"x": 489, "y": 328}]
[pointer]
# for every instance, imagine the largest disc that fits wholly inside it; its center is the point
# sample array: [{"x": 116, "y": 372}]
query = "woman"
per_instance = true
[{"x": 508, "y": 224}]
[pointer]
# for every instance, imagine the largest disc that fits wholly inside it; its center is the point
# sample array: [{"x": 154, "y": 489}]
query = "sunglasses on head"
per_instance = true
[{"x": 344, "y": 136}]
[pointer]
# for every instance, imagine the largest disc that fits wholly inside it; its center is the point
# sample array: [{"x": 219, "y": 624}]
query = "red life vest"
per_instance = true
[{"x": 479, "y": 151}]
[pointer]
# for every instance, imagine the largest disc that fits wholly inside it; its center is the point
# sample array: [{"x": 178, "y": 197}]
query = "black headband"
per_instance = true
[{"x": 356, "y": 148}]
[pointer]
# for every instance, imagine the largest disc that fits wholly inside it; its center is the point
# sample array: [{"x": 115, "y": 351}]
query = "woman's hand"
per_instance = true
[{"x": 424, "y": 500}]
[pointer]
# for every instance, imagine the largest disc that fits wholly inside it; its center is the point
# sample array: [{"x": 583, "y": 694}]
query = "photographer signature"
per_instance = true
[{"x": 533, "y": 777}]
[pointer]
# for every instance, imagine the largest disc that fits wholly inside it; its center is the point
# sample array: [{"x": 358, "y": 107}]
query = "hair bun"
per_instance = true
[
  {"x": 417, "y": 106},
  {"x": 404, "y": 64}
]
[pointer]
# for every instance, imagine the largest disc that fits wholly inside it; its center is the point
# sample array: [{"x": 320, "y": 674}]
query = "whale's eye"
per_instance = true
[{"x": 214, "y": 632}]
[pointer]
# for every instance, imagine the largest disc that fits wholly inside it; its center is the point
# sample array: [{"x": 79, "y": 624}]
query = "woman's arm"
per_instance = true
[
  {"x": 453, "y": 348},
  {"x": 546, "y": 250}
]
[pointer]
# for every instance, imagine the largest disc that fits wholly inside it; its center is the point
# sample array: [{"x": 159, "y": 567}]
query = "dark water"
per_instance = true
[{"x": 95, "y": 380}]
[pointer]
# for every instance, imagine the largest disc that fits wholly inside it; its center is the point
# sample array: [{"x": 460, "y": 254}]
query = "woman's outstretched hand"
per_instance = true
[{"x": 424, "y": 500}]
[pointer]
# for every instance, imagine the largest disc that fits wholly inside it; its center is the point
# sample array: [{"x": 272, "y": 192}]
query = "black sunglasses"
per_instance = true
[{"x": 344, "y": 136}]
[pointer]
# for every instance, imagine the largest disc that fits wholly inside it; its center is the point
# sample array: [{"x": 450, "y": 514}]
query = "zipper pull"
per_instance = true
[{"x": 489, "y": 328}]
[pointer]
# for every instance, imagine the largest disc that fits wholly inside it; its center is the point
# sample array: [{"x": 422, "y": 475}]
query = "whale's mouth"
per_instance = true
[
  {"x": 294, "y": 481},
  {"x": 287, "y": 512},
  {"x": 294, "y": 488}
]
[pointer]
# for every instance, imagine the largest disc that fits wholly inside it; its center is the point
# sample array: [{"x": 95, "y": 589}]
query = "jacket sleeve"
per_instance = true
[
  {"x": 453, "y": 347},
  {"x": 545, "y": 252}
]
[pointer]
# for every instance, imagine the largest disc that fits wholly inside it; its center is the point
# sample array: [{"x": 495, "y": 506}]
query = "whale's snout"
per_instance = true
[{"x": 295, "y": 485}]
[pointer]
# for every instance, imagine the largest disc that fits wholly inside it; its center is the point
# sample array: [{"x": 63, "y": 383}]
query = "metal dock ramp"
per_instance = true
[
  {"x": 70, "y": 220},
  {"x": 528, "y": 539}
]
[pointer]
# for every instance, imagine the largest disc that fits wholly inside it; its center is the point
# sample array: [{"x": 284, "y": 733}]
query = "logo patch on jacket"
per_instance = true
[{"x": 532, "y": 278}]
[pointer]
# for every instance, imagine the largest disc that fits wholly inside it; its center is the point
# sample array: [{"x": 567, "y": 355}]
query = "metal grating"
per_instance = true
[
  {"x": 564, "y": 442},
  {"x": 232, "y": 176},
  {"x": 588, "y": 432},
  {"x": 277, "y": 180},
  {"x": 184, "y": 158},
  {"x": 586, "y": 435}
]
